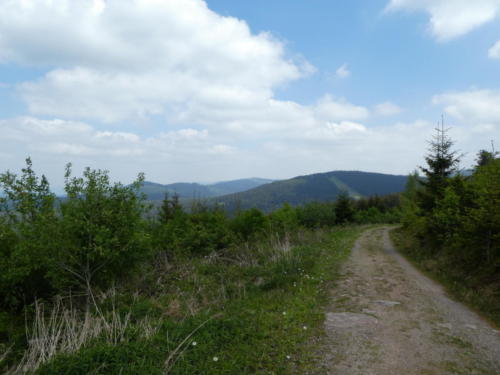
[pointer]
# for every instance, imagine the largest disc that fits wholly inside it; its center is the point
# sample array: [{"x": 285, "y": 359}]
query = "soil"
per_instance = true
[{"x": 385, "y": 317}]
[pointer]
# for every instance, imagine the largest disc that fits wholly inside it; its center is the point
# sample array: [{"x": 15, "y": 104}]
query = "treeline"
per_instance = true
[
  {"x": 101, "y": 230},
  {"x": 455, "y": 220}
]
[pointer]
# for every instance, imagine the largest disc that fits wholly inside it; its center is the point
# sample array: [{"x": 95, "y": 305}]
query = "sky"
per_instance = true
[{"x": 204, "y": 91}]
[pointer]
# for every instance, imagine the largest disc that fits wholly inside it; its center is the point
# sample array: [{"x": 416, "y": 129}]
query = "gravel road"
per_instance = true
[{"x": 387, "y": 318}]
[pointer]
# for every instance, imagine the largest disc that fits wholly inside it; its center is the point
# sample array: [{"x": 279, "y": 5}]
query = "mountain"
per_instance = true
[
  {"x": 155, "y": 191},
  {"x": 316, "y": 187}
]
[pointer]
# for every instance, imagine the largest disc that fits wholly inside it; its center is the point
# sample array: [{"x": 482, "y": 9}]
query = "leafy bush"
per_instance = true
[
  {"x": 316, "y": 215},
  {"x": 196, "y": 234},
  {"x": 250, "y": 223},
  {"x": 103, "y": 234},
  {"x": 28, "y": 226},
  {"x": 284, "y": 220},
  {"x": 96, "y": 234}
]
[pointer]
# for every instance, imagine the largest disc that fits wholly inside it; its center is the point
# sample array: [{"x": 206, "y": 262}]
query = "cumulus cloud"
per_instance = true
[
  {"x": 331, "y": 109},
  {"x": 121, "y": 59},
  {"x": 208, "y": 81},
  {"x": 494, "y": 51},
  {"x": 387, "y": 109},
  {"x": 450, "y": 19},
  {"x": 190, "y": 154},
  {"x": 475, "y": 107},
  {"x": 343, "y": 71}
]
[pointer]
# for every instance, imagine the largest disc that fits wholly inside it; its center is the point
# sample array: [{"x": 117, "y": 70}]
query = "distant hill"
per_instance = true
[
  {"x": 320, "y": 187},
  {"x": 155, "y": 191}
]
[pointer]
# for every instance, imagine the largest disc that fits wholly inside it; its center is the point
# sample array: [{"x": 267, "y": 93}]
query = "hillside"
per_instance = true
[
  {"x": 155, "y": 191},
  {"x": 320, "y": 187}
]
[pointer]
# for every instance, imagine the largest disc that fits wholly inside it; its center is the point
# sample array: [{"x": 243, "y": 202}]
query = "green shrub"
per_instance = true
[
  {"x": 284, "y": 220},
  {"x": 103, "y": 234},
  {"x": 28, "y": 232},
  {"x": 316, "y": 215},
  {"x": 250, "y": 223}
]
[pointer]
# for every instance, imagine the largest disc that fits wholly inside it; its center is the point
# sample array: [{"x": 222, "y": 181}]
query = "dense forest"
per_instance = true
[
  {"x": 318, "y": 187},
  {"x": 102, "y": 281}
]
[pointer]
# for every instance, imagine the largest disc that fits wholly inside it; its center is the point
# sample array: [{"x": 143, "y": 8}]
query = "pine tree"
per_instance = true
[
  {"x": 169, "y": 208},
  {"x": 442, "y": 162},
  {"x": 344, "y": 211}
]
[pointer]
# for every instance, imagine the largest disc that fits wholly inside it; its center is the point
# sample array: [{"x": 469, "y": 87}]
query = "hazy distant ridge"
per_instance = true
[
  {"x": 155, "y": 191},
  {"x": 316, "y": 187}
]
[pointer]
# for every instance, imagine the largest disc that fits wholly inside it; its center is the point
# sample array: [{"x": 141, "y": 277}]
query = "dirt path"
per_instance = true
[{"x": 386, "y": 318}]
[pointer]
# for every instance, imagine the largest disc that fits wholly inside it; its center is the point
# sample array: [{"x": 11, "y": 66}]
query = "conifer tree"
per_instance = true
[
  {"x": 344, "y": 211},
  {"x": 442, "y": 162}
]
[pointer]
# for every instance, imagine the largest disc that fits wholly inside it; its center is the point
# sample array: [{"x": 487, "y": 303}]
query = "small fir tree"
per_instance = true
[{"x": 442, "y": 162}]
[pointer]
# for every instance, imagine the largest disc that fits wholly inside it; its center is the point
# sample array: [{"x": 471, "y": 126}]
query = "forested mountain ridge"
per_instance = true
[
  {"x": 320, "y": 187},
  {"x": 155, "y": 191}
]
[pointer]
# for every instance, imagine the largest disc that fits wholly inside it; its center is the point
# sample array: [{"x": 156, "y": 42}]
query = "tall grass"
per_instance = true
[{"x": 61, "y": 328}]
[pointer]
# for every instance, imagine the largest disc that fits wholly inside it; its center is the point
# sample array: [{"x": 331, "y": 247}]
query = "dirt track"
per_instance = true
[{"x": 386, "y": 318}]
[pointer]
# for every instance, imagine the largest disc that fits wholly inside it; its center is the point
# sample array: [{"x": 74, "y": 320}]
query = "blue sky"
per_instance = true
[{"x": 188, "y": 90}]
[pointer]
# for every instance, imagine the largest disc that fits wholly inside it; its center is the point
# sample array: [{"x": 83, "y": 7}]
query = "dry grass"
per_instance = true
[{"x": 64, "y": 329}]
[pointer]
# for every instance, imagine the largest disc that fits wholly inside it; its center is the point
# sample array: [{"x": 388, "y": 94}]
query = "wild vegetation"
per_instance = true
[
  {"x": 101, "y": 282},
  {"x": 451, "y": 224}
]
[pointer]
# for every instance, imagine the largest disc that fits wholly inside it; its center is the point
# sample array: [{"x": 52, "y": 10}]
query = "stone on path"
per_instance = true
[
  {"x": 445, "y": 325},
  {"x": 347, "y": 319},
  {"x": 387, "y": 303}
]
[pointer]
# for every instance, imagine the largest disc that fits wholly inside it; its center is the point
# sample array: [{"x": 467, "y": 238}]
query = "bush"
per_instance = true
[
  {"x": 28, "y": 228},
  {"x": 250, "y": 224},
  {"x": 196, "y": 234},
  {"x": 284, "y": 220},
  {"x": 316, "y": 215},
  {"x": 103, "y": 234}
]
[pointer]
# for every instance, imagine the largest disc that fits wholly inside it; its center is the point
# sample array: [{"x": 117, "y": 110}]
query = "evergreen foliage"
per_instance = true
[
  {"x": 442, "y": 162},
  {"x": 456, "y": 220},
  {"x": 344, "y": 211}
]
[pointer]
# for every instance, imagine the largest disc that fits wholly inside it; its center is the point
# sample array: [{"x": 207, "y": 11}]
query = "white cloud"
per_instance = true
[
  {"x": 199, "y": 154},
  {"x": 210, "y": 81},
  {"x": 343, "y": 71},
  {"x": 474, "y": 107},
  {"x": 123, "y": 59},
  {"x": 450, "y": 19},
  {"x": 331, "y": 109},
  {"x": 387, "y": 109},
  {"x": 494, "y": 51}
]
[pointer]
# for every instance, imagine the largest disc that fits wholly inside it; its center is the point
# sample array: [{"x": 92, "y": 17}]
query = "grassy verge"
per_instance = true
[
  {"x": 247, "y": 311},
  {"x": 485, "y": 299}
]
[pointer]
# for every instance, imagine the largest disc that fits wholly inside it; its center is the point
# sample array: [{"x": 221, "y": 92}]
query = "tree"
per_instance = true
[
  {"x": 344, "y": 212},
  {"x": 409, "y": 202},
  {"x": 485, "y": 157},
  {"x": 28, "y": 226},
  {"x": 170, "y": 208},
  {"x": 442, "y": 162},
  {"x": 103, "y": 231},
  {"x": 482, "y": 220}
]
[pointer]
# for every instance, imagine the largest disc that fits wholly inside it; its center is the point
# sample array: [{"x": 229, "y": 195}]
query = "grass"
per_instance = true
[
  {"x": 477, "y": 296},
  {"x": 250, "y": 310}
]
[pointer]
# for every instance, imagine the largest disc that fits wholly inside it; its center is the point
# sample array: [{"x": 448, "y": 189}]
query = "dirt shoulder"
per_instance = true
[{"x": 385, "y": 317}]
